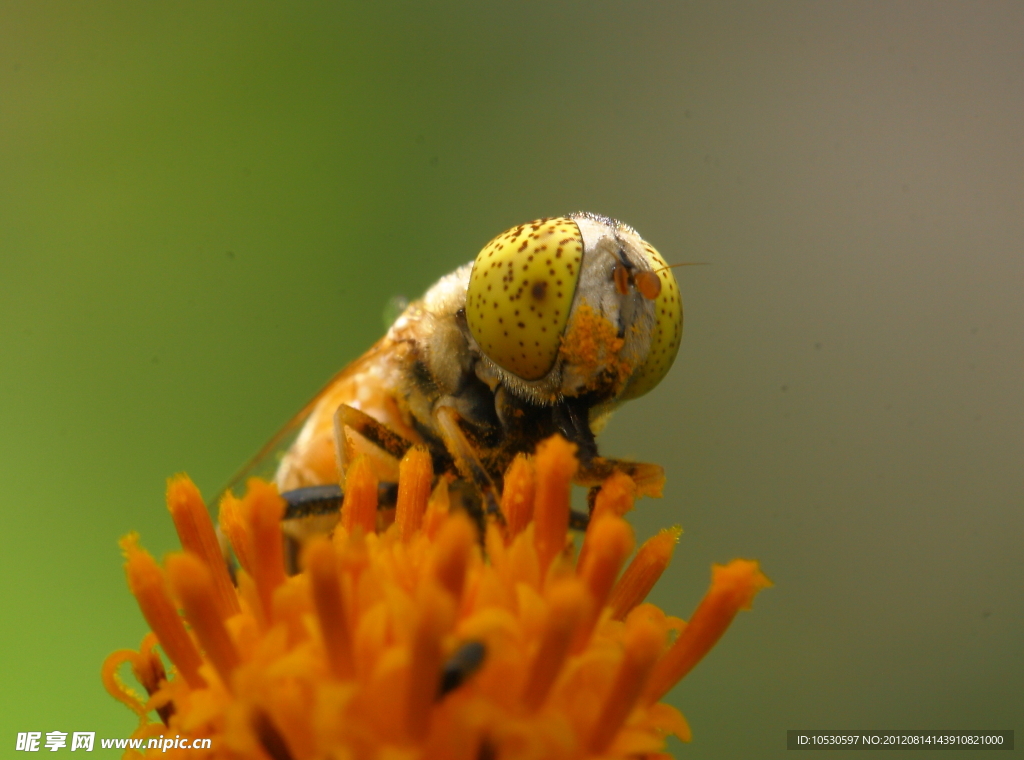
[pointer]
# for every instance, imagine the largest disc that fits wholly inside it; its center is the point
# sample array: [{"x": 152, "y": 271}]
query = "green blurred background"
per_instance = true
[{"x": 205, "y": 207}]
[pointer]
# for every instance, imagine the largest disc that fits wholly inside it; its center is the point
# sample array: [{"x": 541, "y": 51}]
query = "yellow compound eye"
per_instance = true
[
  {"x": 668, "y": 328},
  {"x": 520, "y": 292}
]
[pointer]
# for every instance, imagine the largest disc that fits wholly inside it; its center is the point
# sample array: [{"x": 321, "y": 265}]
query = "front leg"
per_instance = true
[
  {"x": 466, "y": 458},
  {"x": 649, "y": 478},
  {"x": 572, "y": 418}
]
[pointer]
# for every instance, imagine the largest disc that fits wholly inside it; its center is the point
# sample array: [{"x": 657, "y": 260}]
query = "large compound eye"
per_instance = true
[
  {"x": 668, "y": 327},
  {"x": 520, "y": 291}
]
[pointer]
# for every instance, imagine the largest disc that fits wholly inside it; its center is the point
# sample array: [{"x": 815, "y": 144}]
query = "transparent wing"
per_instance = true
[{"x": 265, "y": 462}]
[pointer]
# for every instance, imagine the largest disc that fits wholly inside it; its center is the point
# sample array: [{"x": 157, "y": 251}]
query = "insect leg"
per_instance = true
[
  {"x": 378, "y": 434},
  {"x": 313, "y": 501},
  {"x": 312, "y": 510},
  {"x": 649, "y": 478},
  {"x": 465, "y": 456}
]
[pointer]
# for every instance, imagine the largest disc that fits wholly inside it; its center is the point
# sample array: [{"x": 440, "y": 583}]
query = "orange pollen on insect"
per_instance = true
[{"x": 591, "y": 343}]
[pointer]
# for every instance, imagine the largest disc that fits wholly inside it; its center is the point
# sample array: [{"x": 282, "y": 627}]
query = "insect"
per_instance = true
[{"x": 554, "y": 325}]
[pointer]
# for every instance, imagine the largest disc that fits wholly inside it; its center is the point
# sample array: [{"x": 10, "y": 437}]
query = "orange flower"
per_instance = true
[{"x": 421, "y": 640}]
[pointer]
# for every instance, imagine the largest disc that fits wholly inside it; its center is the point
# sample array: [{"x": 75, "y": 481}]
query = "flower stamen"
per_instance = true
[
  {"x": 195, "y": 531},
  {"x": 419, "y": 639},
  {"x": 455, "y": 542},
  {"x": 322, "y": 567},
  {"x": 568, "y": 602},
  {"x": 149, "y": 587},
  {"x": 641, "y": 646},
  {"x": 556, "y": 464},
  {"x": 733, "y": 588},
  {"x": 518, "y": 495},
  {"x": 643, "y": 572},
  {"x": 435, "y": 614},
  {"x": 193, "y": 586},
  {"x": 615, "y": 498},
  {"x": 262, "y": 510},
  {"x": 611, "y": 541},
  {"x": 415, "y": 472},
  {"x": 359, "y": 508}
]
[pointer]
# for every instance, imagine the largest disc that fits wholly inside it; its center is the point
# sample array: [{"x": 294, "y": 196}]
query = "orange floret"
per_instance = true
[
  {"x": 421, "y": 640},
  {"x": 415, "y": 473},
  {"x": 360, "y": 506},
  {"x": 555, "y": 464},
  {"x": 193, "y": 586},
  {"x": 192, "y": 521},
  {"x": 517, "y": 497},
  {"x": 733, "y": 588},
  {"x": 643, "y": 572}
]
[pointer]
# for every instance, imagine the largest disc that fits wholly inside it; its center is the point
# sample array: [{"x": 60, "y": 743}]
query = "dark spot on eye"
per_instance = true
[{"x": 539, "y": 290}]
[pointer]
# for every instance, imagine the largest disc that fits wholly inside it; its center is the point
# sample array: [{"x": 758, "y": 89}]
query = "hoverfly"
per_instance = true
[{"x": 554, "y": 325}]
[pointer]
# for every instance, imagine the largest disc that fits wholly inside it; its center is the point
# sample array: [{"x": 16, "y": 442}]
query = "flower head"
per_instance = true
[{"x": 421, "y": 639}]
